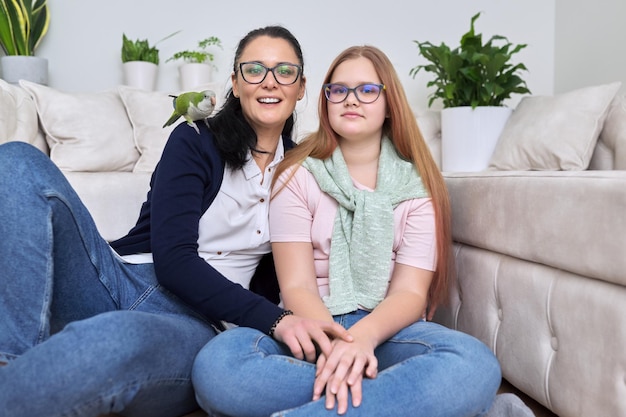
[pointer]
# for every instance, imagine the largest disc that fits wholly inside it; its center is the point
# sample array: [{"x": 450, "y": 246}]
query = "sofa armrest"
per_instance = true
[{"x": 574, "y": 221}]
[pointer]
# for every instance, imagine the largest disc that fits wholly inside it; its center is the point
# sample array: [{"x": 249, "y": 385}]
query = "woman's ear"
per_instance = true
[
  {"x": 302, "y": 88},
  {"x": 233, "y": 80}
]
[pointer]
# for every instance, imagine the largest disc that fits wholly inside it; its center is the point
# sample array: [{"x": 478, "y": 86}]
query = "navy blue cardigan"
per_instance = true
[{"x": 183, "y": 185}]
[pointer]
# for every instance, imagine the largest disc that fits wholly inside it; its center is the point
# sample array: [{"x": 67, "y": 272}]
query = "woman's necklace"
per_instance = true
[
  {"x": 262, "y": 159},
  {"x": 255, "y": 150}
]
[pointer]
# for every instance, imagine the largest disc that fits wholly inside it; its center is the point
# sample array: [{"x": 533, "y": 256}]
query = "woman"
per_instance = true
[
  {"x": 360, "y": 231},
  {"x": 86, "y": 330}
]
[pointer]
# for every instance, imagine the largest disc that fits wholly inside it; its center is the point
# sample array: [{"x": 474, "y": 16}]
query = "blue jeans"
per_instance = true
[
  {"x": 424, "y": 370},
  {"x": 83, "y": 333}
]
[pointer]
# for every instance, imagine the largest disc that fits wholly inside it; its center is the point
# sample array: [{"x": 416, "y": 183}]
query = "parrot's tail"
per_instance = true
[{"x": 171, "y": 120}]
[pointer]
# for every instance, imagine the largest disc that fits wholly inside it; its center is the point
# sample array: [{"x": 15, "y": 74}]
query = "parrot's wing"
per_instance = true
[{"x": 183, "y": 101}]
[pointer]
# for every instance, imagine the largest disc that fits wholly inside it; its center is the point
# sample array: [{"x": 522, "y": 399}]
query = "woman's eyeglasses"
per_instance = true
[
  {"x": 365, "y": 93},
  {"x": 284, "y": 73}
]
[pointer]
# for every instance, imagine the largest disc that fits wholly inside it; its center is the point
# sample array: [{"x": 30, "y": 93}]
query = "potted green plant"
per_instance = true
[
  {"x": 198, "y": 66},
  {"x": 140, "y": 62},
  {"x": 139, "y": 50},
  {"x": 472, "y": 81},
  {"x": 23, "y": 24}
]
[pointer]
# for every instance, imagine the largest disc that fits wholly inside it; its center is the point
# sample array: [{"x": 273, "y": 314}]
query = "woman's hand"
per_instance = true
[
  {"x": 304, "y": 336},
  {"x": 341, "y": 373}
]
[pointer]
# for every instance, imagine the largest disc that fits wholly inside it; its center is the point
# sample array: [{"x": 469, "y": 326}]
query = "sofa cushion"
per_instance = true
[
  {"x": 85, "y": 131},
  {"x": 554, "y": 133},
  {"x": 148, "y": 111},
  {"x": 18, "y": 116},
  {"x": 113, "y": 199}
]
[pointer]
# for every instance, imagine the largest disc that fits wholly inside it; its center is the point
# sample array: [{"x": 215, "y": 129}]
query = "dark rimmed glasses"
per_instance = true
[
  {"x": 284, "y": 73},
  {"x": 365, "y": 93}
]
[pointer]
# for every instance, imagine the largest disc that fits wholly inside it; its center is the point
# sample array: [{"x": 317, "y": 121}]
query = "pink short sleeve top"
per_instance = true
[{"x": 302, "y": 212}]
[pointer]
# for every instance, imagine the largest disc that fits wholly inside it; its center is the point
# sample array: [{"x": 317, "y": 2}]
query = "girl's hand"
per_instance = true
[
  {"x": 341, "y": 373},
  {"x": 304, "y": 336}
]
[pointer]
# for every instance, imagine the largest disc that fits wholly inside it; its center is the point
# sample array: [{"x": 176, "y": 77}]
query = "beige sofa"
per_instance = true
[{"x": 541, "y": 255}]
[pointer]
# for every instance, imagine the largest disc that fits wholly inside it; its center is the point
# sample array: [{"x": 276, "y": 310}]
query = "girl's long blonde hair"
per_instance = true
[{"x": 401, "y": 127}]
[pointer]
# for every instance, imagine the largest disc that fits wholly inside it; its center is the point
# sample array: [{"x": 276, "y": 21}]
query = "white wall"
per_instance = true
[
  {"x": 589, "y": 43},
  {"x": 85, "y": 36}
]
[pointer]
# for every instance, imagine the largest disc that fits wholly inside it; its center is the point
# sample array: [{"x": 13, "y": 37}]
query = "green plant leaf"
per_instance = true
[
  {"x": 39, "y": 24},
  {"x": 18, "y": 26},
  {"x": 6, "y": 31}
]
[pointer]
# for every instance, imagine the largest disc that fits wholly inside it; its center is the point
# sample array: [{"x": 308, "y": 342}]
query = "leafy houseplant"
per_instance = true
[
  {"x": 473, "y": 74},
  {"x": 139, "y": 50},
  {"x": 472, "y": 81},
  {"x": 200, "y": 55},
  {"x": 140, "y": 62},
  {"x": 23, "y": 24},
  {"x": 197, "y": 66}
]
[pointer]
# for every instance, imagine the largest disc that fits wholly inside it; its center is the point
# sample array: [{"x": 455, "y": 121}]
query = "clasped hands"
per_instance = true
[{"x": 341, "y": 359}]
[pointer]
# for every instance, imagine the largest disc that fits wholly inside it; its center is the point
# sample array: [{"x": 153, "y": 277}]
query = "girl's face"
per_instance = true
[
  {"x": 268, "y": 104},
  {"x": 352, "y": 119}
]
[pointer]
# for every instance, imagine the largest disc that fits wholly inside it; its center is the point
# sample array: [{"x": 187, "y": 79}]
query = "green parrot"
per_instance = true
[{"x": 192, "y": 106}]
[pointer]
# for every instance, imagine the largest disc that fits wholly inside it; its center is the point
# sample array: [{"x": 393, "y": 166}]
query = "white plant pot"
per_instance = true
[
  {"x": 469, "y": 136},
  {"x": 193, "y": 75},
  {"x": 140, "y": 74},
  {"x": 23, "y": 67}
]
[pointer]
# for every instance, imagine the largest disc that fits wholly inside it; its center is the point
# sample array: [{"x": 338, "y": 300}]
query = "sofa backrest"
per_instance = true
[
  {"x": 124, "y": 132},
  {"x": 429, "y": 122},
  {"x": 118, "y": 130},
  {"x": 610, "y": 151}
]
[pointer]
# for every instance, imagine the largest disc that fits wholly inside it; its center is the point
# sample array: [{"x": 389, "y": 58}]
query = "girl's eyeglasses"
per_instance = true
[{"x": 365, "y": 93}]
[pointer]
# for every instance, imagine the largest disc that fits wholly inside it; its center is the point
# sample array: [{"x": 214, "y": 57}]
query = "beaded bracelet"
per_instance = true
[{"x": 282, "y": 316}]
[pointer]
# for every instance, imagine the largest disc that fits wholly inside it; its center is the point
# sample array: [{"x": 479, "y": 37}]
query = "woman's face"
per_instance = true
[
  {"x": 352, "y": 119},
  {"x": 267, "y": 105}
]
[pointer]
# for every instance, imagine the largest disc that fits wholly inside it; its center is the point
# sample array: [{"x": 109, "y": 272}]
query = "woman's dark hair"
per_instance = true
[{"x": 233, "y": 135}]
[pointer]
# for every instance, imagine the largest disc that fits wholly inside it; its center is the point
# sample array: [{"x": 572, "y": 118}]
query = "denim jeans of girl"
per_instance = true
[
  {"x": 83, "y": 333},
  {"x": 424, "y": 370}
]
